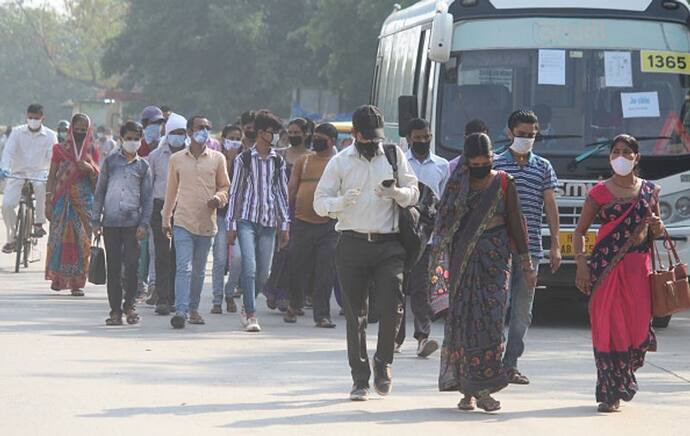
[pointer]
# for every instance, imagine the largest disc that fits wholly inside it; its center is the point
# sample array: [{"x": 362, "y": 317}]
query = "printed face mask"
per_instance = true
[{"x": 201, "y": 136}]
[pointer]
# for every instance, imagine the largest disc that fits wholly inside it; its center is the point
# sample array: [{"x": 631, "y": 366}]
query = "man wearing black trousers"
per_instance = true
[{"x": 359, "y": 190}]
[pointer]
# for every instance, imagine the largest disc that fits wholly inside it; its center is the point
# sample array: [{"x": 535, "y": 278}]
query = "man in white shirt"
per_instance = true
[
  {"x": 27, "y": 154},
  {"x": 432, "y": 171},
  {"x": 358, "y": 189}
]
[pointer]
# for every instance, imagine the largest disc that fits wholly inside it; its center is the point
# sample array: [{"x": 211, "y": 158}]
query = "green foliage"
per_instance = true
[{"x": 222, "y": 57}]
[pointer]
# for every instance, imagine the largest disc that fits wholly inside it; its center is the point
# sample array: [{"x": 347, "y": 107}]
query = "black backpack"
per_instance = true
[{"x": 415, "y": 223}]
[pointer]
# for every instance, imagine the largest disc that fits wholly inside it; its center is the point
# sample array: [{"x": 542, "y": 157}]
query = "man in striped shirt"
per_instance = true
[
  {"x": 536, "y": 183},
  {"x": 258, "y": 206}
]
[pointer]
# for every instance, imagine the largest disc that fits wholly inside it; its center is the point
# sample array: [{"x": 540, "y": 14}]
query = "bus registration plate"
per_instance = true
[
  {"x": 664, "y": 62},
  {"x": 567, "y": 247}
]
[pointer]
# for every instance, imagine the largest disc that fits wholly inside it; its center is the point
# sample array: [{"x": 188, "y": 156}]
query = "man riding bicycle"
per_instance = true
[{"x": 26, "y": 155}]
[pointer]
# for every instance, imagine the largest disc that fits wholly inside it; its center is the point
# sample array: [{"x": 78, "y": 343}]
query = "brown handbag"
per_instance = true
[{"x": 670, "y": 287}]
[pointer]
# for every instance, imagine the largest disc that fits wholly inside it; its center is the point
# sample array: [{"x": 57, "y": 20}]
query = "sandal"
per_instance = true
[
  {"x": 609, "y": 407},
  {"x": 325, "y": 323},
  {"x": 271, "y": 303},
  {"x": 115, "y": 319},
  {"x": 467, "y": 403},
  {"x": 486, "y": 402},
  {"x": 195, "y": 318},
  {"x": 231, "y": 306},
  {"x": 517, "y": 378},
  {"x": 290, "y": 316},
  {"x": 132, "y": 317},
  {"x": 77, "y": 293}
]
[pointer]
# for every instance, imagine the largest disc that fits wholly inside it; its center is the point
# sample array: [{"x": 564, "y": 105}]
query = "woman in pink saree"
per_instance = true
[{"x": 617, "y": 276}]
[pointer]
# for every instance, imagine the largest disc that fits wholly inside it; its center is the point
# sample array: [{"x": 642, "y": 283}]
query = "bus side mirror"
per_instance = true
[
  {"x": 441, "y": 38},
  {"x": 407, "y": 111}
]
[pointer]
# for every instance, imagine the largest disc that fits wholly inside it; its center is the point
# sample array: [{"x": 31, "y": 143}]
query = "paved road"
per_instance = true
[{"x": 62, "y": 372}]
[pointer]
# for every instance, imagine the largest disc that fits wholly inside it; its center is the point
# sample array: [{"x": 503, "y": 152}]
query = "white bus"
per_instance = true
[{"x": 590, "y": 69}]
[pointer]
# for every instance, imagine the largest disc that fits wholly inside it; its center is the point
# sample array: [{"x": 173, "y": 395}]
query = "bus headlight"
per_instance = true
[
  {"x": 675, "y": 207},
  {"x": 683, "y": 207}
]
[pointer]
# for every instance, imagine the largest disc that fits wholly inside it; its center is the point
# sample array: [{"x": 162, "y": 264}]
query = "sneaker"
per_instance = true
[
  {"x": 243, "y": 318},
  {"x": 178, "y": 321},
  {"x": 253, "y": 325},
  {"x": 217, "y": 309},
  {"x": 359, "y": 393},
  {"x": 9, "y": 248},
  {"x": 426, "y": 348},
  {"x": 162, "y": 309},
  {"x": 383, "y": 378},
  {"x": 231, "y": 306},
  {"x": 39, "y": 232}
]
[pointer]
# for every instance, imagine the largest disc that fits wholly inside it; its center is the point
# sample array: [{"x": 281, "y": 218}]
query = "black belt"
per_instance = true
[{"x": 374, "y": 238}]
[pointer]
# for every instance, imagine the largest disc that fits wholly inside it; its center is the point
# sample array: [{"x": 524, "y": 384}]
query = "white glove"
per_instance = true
[{"x": 348, "y": 200}]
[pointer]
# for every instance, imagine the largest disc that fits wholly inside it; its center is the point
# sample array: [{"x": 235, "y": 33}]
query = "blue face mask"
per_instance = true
[
  {"x": 200, "y": 136},
  {"x": 152, "y": 133},
  {"x": 176, "y": 141}
]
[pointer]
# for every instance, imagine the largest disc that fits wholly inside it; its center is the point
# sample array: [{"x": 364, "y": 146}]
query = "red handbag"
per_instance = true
[{"x": 670, "y": 287}]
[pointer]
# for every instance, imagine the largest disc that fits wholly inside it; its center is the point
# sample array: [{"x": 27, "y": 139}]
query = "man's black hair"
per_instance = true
[
  {"x": 190, "y": 122},
  {"x": 247, "y": 117},
  {"x": 265, "y": 119},
  {"x": 417, "y": 124},
  {"x": 35, "y": 108},
  {"x": 476, "y": 126},
  {"x": 522, "y": 116},
  {"x": 327, "y": 129},
  {"x": 165, "y": 108},
  {"x": 229, "y": 128},
  {"x": 131, "y": 126}
]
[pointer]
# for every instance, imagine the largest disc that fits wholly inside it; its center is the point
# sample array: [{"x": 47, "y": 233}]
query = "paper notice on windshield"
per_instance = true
[
  {"x": 640, "y": 104},
  {"x": 618, "y": 66},
  {"x": 552, "y": 67}
]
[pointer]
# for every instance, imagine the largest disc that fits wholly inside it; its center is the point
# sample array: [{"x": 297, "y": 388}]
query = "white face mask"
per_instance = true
[
  {"x": 34, "y": 124},
  {"x": 131, "y": 147},
  {"x": 623, "y": 166},
  {"x": 522, "y": 145},
  {"x": 230, "y": 144}
]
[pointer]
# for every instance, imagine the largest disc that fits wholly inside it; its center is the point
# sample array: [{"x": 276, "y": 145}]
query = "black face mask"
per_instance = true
[
  {"x": 79, "y": 137},
  {"x": 367, "y": 149},
  {"x": 480, "y": 173},
  {"x": 295, "y": 140},
  {"x": 251, "y": 134},
  {"x": 319, "y": 144},
  {"x": 421, "y": 148}
]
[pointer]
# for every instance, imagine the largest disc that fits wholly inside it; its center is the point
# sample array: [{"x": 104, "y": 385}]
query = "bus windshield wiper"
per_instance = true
[
  {"x": 539, "y": 138},
  {"x": 600, "y": 145}
]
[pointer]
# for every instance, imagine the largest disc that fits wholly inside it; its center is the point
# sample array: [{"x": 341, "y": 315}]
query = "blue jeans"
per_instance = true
[
  {"x": 191, "y": 253},
  {"x": 220, "y": 262},
  {"x": 256, "y": 244},
  {"x": 521, "y": 300}
]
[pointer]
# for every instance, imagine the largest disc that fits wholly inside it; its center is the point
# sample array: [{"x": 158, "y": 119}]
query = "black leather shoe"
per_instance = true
[
  {"x": 383, "y": 379},
  {"x": 359, "y": 393}
]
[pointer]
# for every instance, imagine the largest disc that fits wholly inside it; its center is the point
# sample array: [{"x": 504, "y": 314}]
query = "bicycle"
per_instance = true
[{"x": 24, "y": 236}]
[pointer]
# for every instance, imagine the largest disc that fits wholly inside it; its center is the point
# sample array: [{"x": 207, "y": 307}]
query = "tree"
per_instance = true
[{"x": 347, "y": 32}]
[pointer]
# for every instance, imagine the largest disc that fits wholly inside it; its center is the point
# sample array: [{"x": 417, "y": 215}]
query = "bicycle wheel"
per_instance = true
[
  {"x": 19, "y": 236},
  {"x": 28, "y": 236}
]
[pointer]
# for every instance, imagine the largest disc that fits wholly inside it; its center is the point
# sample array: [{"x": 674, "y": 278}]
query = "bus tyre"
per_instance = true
[{"x": 662, "y": 322}]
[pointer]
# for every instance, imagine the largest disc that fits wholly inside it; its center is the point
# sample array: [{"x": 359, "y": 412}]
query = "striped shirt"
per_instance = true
[
  {"x": 531, "y": 180},
  {"x": 257, "y": 195}
]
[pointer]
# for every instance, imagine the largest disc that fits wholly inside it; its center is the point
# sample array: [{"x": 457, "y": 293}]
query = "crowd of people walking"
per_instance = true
[{"x": 302, "y": 222}]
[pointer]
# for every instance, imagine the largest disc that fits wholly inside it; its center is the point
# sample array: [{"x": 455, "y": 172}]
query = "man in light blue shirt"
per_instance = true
[{"x": 432, "y": 171}]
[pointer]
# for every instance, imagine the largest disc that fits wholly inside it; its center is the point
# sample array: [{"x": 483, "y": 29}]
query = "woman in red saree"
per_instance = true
[
  {"x": 617, "y": 276},
  {"x": 71, "y": 185}
]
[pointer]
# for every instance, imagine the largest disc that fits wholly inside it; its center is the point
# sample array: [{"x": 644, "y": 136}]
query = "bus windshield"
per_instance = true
[{"x": 581, "y": 93}]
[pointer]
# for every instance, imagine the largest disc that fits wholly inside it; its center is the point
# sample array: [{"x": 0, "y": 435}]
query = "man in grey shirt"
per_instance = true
[
  {"x": 173, "y": 141},
  {"x": 121, "y": 212}
]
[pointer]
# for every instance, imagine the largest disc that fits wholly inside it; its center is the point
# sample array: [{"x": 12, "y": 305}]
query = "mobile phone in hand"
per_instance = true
[{"x": 388, "y": 183}]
